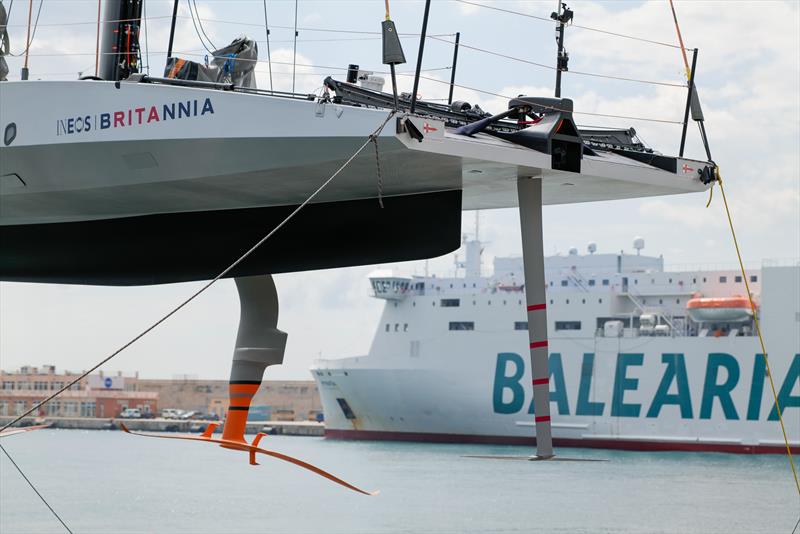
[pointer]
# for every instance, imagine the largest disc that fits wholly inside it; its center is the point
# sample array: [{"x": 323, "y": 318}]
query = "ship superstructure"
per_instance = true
[{"x": 640, "y": 357}]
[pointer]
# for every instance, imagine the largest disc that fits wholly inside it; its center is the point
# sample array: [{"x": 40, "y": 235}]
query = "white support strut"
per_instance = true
[{"x": 529, "y": 191}]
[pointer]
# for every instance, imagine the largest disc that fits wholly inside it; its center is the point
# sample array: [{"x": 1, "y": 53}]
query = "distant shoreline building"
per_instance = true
[
  {"x": 101, "y": 395},
  {"x": 93, "y": 396}
]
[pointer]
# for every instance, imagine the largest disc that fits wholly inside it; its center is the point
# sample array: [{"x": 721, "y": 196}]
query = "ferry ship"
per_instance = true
[{"x": 641, "y": 358}]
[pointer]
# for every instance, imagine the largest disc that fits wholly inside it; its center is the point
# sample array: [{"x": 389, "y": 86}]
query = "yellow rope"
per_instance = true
[
  {"x": 758, "y": 330},
  {"x": 718, "y": 180}
]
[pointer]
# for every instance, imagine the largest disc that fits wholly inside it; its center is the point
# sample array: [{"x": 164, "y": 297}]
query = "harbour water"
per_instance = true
[{"x": 107, "y": 481}]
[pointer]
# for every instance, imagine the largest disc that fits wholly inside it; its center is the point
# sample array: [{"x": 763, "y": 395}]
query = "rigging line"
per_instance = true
[
  {"x": 97, "y": 43},
  {"x": 627, "y": 117},
  {"x": 36, "y": 491},
  {"x": 35, "y": 26},
  {"x": 741, "y": 266},
  {"x": 85, "y": 23},
  {"x": 200, "y": 22},
  {"x": 550, "y": 67},
  {"x": 294, "y": 52},
  {"x": 546, "y": 19},
  {"x": 146, "y": 44},
  {"x": 210, "y": 283},
  {"x": 325, "y": 30},
  {"x": 269, "y": 55},
  {"x": 196, "y": 30},
  {"x": 680, "y": 40}
]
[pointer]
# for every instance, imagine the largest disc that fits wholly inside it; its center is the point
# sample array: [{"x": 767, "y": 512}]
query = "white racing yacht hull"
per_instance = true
[{"x": 158, "y": 171}]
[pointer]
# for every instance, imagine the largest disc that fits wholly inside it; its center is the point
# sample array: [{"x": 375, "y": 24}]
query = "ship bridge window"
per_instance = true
[
  {"x": 387, "y": 327},
  {"x": 723, "y": 279},
  {"x": 346, "y": 410},
  {"x": 568, "y": 325},
  {"x": 462, "y": 325},
  {"x": 450, "y": 303},
  {"x": 520, "y": 325},
  {"x": 396, "y": 327},
  {"x": 591, "y": 282},
  {"x": 738, "y": 279},
  {"x": 754, "y": 278},
  {"x": 605, "y": 282}
]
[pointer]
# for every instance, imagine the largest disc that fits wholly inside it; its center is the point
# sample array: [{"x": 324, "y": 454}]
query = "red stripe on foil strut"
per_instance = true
[
  {"x": 538, "y": 344},
  {"x": 543, "y": 419},
  {"x": 534, "y": 307},
  {"x": 541, "y": 381}
]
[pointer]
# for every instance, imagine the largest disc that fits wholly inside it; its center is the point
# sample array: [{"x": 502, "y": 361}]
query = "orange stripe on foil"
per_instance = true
[{"x": 243, "y": 388}]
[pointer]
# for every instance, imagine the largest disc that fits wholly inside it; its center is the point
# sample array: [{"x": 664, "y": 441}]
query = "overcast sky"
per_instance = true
[{"x": 748, "y": 77}]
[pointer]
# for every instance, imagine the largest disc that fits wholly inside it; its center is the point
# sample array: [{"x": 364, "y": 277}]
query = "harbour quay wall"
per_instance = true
[{"x": 284, "y": 428}]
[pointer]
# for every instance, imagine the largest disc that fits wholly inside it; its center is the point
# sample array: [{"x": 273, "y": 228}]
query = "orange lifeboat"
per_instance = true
[{"x": 735, "y": 309}]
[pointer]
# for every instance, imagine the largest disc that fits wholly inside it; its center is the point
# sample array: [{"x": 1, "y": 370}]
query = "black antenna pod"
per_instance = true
[
  {"x": 563, "y": 17},
  {"x": 392, "y": 50}
]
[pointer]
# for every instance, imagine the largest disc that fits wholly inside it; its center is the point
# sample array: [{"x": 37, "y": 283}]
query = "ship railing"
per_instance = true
[
  {"x": 781, "y": 262},
  {"x": 663, "y": 313}
]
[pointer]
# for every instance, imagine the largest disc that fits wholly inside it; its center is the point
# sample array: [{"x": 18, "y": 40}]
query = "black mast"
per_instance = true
[
  {"x": 172, "y": 29},
  {"x": 119, "y": 52},
  {"x": 563, "y": 17}
]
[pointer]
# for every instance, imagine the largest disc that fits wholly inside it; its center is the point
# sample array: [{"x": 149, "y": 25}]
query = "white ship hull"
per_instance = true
[
  {"x": 484, "y": 400},
  {"x": 688, "y": 392}
]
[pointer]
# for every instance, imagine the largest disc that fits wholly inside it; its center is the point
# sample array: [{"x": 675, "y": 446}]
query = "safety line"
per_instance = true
[
  {"x": 200, "y": 291},
  {"x": 34, "y": 489}
]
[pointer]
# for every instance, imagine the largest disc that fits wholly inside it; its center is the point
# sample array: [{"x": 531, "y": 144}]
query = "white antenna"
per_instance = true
[{"x": 477, "y": 225}]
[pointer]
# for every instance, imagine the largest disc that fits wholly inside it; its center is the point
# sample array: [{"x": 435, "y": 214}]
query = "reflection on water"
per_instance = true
[{"x": 112, "y": 482}]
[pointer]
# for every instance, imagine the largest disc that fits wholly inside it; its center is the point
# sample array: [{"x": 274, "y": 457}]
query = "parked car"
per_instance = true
[
  {"x": 171, "y": 413},
  {"x": 131, "y": 413}
]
